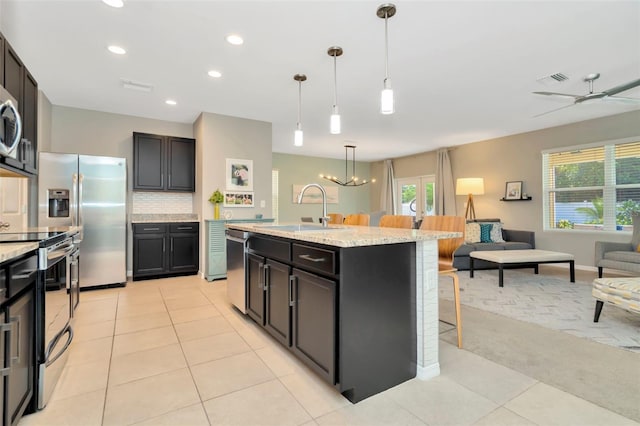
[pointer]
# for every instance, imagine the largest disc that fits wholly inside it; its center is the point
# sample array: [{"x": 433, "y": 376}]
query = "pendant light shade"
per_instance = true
[
  {"x": 387, "y": 105},
  {"x": 298, "y": 135},
  {"x": 334, "y": 125}
]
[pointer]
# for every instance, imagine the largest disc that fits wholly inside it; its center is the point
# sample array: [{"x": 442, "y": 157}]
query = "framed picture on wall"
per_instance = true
[
  {"x": 513, "y": 190},
  {"x": 239, "y": 175},
  {"x": 238, "y": 199}
]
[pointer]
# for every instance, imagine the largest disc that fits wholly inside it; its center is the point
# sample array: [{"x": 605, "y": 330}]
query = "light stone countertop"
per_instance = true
[
  {"x": 344, "y": 235},
  {"x": 69, "y": 229},
  {"x": 10, "y": 250},
  {"x": 164, "y": 218}
]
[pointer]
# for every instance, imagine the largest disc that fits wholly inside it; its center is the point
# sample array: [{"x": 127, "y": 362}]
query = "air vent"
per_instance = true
[
  {"x": 553, "y": 78},
  {"x": 136, "y": 85}
]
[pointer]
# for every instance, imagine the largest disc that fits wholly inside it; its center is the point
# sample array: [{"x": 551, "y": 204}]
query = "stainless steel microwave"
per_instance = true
[{"x": 10, "y": 125}]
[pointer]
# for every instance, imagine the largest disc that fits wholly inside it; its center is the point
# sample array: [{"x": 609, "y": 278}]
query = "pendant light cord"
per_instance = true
[
  {"x": 299, "y": 103},
  {"x": 335, "y": 82},
  {"x": 386, "y": 47}
]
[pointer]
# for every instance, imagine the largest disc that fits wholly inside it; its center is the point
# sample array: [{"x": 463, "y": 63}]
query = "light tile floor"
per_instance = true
[{"x": 174, "y": 352}]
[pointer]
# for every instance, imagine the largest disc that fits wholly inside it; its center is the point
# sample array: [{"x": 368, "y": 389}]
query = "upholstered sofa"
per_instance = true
[
  {"x": 512, "y": 240},
  {"x": 620, "y": 256}
]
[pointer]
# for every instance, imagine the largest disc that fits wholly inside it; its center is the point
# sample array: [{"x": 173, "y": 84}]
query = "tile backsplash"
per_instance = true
[{"x": 162, "y": 202}]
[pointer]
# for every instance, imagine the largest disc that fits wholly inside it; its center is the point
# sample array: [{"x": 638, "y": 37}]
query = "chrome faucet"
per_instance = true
[{"x": 324, "y": 219}]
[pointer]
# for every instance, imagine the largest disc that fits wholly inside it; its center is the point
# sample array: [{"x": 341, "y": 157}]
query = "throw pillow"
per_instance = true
[
  {"x": 472, "y": 233},
  {"x": 485, "y": 232},
  {"x": 496, "y": 232}
]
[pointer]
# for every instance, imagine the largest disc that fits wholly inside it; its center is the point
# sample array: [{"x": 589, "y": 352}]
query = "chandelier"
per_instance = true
[{"x": 353, "y": 181}]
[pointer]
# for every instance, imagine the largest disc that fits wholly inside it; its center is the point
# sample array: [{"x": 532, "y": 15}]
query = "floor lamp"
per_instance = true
[{"x": 470, "y": 186}]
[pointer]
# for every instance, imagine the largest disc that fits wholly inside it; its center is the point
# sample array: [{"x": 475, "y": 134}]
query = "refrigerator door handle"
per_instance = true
[
  {"x": 74, "y": 202},
  {"x": 80, "y": 179}
]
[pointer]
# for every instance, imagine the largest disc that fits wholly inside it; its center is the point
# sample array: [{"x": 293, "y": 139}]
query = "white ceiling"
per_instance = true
[{"x": 461, "y": 71}]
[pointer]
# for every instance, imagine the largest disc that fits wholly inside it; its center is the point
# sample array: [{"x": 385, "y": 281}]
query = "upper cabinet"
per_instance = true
[
  {"x": 163, "y": 163},
  {"x": 18, "y": 81}
]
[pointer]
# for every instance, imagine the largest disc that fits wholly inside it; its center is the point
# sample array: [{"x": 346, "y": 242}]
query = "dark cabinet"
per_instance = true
[
  {"x": 17, "y": 325},
  {"x": 163, "y": 163},
  {"x": 19, "y": 82},
  {"x": 314, "y": 322},
  {"x": 255, "y": 287},
  {"x": 165, "y": 249}
]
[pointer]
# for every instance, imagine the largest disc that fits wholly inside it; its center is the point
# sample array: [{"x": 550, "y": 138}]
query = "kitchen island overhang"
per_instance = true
[{"x": 386, "y": 299}]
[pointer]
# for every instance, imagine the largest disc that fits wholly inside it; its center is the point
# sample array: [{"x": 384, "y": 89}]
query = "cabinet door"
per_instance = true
[
  {"x": 313, "y": 320},
  {"x": 181, "y": 155},
  {"x": 149, "y": 254},
  {"x": 29, "y": 109},
  {"x": 1, "y": 59},
  {"x": 149, "y": 162},
  {"x": 278, "y": 312},
  {"x": 20, "y": 380},
  {"x": 13, "y": 75},
  {"x": 184, "y": 252},
  {"x": 255, "y": 288}
]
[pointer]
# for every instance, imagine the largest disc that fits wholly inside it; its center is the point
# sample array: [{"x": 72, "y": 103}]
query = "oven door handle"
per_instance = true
[
  {"x": 54, "y": 342},
  {"x": 60, "y": 252}
]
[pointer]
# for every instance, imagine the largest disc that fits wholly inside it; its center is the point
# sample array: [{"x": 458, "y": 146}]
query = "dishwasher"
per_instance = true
[{"x": 236, "y": 247}]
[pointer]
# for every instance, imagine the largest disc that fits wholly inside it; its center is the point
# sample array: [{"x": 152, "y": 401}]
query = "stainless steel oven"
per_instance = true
[{"x": 55, "y": 300}]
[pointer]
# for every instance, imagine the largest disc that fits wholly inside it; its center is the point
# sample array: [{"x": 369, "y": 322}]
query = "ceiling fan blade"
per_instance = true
[
  {"x": 564, "y": 95},
  {"x": 621, "y": 99},
  {"x": 553, "y": 110},
  {"x": 622, "y": 87}
]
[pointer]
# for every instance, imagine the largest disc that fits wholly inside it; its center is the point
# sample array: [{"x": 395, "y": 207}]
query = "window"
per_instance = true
[
  {"x": 594, "y": 187},
  {"x": 412, "y": 202}
]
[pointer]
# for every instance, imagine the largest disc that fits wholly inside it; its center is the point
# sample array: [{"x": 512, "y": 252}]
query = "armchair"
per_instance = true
[{"x": 620, "y": 256}]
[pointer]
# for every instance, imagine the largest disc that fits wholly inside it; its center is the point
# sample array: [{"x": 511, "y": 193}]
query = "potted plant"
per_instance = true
[{"x": 215, "y": 199}]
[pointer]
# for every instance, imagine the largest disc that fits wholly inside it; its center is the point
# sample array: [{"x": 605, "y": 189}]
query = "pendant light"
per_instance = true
[
  {"x": 297, "y": 135},
  {"x": 387, "y": 106},
  {"x": 334, "y": 124}
]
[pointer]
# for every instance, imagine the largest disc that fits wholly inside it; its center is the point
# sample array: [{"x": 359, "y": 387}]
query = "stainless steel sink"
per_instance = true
[{"x": 299, "y": 228}]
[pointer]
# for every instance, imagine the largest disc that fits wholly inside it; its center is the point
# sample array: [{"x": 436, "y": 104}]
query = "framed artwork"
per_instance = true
[
  {"x": 238, "y": 199},
  {"x": 239, "y": 175},
  {"x": 314, "y": 196},
  {"x": 513, "y": 190}
]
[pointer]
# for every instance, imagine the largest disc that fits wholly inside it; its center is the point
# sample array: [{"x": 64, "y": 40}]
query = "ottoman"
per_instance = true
[{"x": 622, "y": 292}]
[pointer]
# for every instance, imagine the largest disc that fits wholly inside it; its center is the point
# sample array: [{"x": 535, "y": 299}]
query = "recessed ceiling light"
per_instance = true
[
  {"x": 117, "y": 50},
  {"x": 235, "y": 39},
  {"x": 215, "y": 74},
  {"x": 114, "y": 3},
  {"x": 170, "y": 102}
]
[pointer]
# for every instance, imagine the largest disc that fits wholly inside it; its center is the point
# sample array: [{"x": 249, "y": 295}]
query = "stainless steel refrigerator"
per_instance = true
[{"x": 88, "y": 191}]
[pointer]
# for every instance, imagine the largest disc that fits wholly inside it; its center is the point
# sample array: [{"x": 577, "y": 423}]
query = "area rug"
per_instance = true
[{"x": 549, "y": 301}]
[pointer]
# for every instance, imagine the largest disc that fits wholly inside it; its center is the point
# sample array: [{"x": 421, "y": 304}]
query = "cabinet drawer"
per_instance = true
[
  {"x": 272, "y": 248},
  {"x": 149, "y": 228},
  {"x": 315, "y": 259},
  {"x": 21, "y": 274},
  {"x": 184, "y": 227}
]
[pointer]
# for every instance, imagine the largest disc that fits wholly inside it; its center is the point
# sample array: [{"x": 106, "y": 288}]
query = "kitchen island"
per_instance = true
[{"x": 358, "y": 305}]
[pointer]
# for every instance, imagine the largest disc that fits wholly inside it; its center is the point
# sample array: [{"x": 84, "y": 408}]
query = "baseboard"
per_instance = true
[{"x": 428, "y": 372}]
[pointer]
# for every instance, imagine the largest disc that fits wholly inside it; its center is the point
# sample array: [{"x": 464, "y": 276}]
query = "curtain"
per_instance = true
[
  {"x": 388, "y": 194},
  {"x": 445, "y": 190}
]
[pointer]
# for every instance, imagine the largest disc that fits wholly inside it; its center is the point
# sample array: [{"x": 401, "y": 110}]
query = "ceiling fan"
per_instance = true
[{"x": 608, "y": 94}]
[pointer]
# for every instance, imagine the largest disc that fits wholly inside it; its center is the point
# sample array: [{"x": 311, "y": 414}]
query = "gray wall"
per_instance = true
[
  {"x": 516, "y": 158},
  {"x": 88, "y": 132},
  {"x": 220, "y": 137},
  {"x": 301, "y": 170}
]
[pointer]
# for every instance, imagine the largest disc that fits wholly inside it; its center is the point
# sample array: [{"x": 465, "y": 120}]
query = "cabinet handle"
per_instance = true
[
  {"x": 172, "y": 245},
  {"x": 161, "y": 179},
  {"x": 6, "y": 328},
  {"x": 151, "y": 229},
  {"x": 184, "y": 228},
  {"x": 164, "y": 244},
  {"x": 266, "y": 277},
  {"x": 261, "y": 273},
  {"x": 292, "y": 279},
  {"x": 311, "y": 259},
  {"x": 16, "y": 320}
]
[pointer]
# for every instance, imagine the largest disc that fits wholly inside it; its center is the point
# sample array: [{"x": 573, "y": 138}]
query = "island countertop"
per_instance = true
[
  {"x": 10, "y": 250},
  {"x": 344, "y": 235}
]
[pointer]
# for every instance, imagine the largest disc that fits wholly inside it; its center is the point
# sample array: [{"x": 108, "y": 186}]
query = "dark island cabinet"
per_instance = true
[
  {"x": 18, "y": 81},
  {"x": 163, "y": 163},
  {"x": 313, "y": 314},
  {"x": 165, "y": 249},
  {"x": 349, "y": 313}
]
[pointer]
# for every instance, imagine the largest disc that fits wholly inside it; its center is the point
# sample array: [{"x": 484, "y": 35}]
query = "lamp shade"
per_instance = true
[{"x": 465, "y": 186}]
